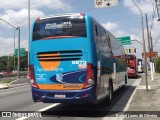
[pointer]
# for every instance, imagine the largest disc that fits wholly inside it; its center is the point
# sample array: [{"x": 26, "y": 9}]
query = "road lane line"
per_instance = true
[
  {"x": 136, "y": 83},
  {"x": 46, "y": 108},
  {"x": 119, "y": 105},
  {"x": 13, "y": 81},
  {"x": 22, "y": 118},
  {"x": 41, "y": 110}
]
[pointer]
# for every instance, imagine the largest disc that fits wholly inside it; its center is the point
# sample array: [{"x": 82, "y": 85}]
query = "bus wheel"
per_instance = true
[{"x": 110, "y": 91}]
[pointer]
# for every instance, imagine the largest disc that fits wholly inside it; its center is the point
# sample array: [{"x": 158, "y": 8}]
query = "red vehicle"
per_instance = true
[
  {"x": 132, "y": 69},
  {"x": 5, "y": 72}
]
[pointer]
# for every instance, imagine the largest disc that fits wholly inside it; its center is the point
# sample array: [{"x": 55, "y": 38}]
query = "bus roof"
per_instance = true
[{"x": 63, "y": 15}]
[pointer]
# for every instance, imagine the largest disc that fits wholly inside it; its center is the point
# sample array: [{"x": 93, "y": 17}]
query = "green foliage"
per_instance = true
[
  {"x": 157, "y": 64},
  {"x": 4, "y": 60},
  {"x": 7, "y": 81},
  {"x": 3, "y": 63}
]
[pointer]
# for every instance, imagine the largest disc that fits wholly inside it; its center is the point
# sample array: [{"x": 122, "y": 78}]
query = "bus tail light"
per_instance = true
[
  {"x": 32, "y": 76},
  {"x": 90, "y": 76},
  {"x": 37, "y": 19},
  {"x": 82, "y": 14}
]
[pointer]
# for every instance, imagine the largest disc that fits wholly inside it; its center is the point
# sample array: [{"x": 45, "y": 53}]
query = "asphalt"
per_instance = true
[{"x": 144, "y": 105}]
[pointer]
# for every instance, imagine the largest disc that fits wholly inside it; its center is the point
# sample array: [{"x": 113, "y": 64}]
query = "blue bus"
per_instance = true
[{"x": 73, "y": 59}]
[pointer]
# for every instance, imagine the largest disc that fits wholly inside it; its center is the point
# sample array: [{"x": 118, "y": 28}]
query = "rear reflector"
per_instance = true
[
  {"x": 90, "y": 76},
  {"x": 32, "y": 76}
]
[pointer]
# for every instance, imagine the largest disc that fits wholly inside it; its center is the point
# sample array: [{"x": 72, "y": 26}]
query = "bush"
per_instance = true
[{"x": 157, "y": 64}]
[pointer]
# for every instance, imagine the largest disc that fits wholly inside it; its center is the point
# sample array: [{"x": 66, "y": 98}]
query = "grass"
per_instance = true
[{"x": 7, "y": 80}]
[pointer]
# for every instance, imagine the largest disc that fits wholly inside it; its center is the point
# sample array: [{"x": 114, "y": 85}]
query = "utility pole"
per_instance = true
[
  {"x": 18, "y": 66},
  {"x": 157, "y": 10},
  {"x": 144, "y": 48},
  {"x": 28, "y": 36},
  {"x": 17, "y": 28},
  {"x": 151, "y": 42},
  {"x": 14, "y": 52},
  {"x": 150, "y": 35},
  {"x": 149, "y": 48}
]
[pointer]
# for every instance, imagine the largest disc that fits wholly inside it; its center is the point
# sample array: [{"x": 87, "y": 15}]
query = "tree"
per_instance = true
[{"x": 4, "y": 62}]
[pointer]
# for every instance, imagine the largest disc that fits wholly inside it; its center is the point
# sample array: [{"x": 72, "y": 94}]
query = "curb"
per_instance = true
[
  {"x": 13, "y": 81},
  {"x": 7, "y": 86},
  {"x": 18, "y": 85},
  {"x": 4, "y": 86}
]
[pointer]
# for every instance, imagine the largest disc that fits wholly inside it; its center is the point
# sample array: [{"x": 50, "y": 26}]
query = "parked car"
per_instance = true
[{"x": 6, "y": 72}]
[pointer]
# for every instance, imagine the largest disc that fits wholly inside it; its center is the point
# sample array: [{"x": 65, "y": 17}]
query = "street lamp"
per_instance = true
[
  {"x": 14, "y": 51},
  {"x": 17, "y": 28},
  {"x": 137, "y": 41},
  {"x": 28, "y": 36},
  {"x": 144, "y": 48}
]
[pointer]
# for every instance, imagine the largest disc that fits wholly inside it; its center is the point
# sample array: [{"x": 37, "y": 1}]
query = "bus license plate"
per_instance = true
[{"x": 60, "y": 96}]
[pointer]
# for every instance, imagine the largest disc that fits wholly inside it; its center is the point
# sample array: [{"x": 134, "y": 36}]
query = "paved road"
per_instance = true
[{"x": 19, "y": 99}]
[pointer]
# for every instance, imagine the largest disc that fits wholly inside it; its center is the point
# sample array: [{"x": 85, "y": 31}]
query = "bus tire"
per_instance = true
[{"x": 110, "y": 91}]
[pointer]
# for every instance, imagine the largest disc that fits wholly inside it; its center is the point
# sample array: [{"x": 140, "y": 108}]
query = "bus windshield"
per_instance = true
[{"x": 59, "y": 27}]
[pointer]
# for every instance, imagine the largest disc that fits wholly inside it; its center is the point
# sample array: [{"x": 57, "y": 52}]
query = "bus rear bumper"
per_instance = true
[{"x": 83, "y": 96}]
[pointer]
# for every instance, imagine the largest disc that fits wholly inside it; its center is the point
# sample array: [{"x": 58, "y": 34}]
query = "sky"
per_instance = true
[{"x": 121, "y": 20}]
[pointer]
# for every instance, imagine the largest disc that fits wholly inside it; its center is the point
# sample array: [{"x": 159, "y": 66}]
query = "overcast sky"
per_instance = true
[{"x": 121, "y": 20}]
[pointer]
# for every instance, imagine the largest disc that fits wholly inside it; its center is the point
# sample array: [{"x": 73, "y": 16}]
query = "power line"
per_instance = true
[
  {"x": 136, "y": 48},
  {"x": 153, "y": 15},
  {"x": 124, "y": 18},
  {"x": 119, "y": 10}
]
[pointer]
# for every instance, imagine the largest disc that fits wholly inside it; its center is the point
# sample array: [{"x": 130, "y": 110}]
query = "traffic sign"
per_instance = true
[
  {"x": 150, "y": 54},
  {"x": 125, "y": 40},
  {"x": 22, "y": 52},
  {"x": 105, "y": 3}
]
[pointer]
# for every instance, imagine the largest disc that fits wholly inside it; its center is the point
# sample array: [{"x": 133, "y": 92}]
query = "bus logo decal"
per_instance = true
[
  {"x": 59, "y": 78},
  {"x": 50, "y": 65}
]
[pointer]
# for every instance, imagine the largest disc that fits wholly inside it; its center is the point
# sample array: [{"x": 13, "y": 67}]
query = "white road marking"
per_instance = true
[
  {"x": 13, "y": 81},
  {"x": 136, "y": 83},
  {"x": 41, "y": 110},
  {"x": 46, "y": 108}
]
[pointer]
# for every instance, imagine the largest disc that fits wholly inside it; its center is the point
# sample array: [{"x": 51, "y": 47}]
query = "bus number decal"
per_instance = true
[{"x": 81, "y": 64}]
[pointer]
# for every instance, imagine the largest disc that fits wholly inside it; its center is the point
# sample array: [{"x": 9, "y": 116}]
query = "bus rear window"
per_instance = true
[{"x": 59, "y": 27}]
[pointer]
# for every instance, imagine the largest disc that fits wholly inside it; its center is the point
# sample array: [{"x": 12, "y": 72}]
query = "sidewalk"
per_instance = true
[{"x": 146, "y": 102}]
